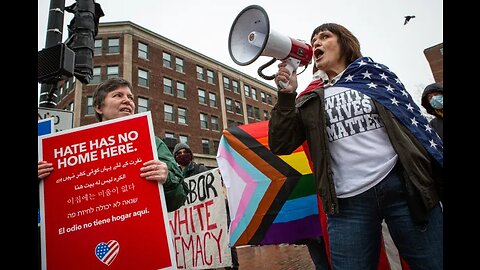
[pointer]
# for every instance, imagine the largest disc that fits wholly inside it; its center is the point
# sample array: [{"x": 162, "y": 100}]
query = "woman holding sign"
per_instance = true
[{"x": 113, "y": 99}]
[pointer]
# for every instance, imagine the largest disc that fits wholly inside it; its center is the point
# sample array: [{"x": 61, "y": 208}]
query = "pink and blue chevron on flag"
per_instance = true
[{"x": 272, "y": 198}]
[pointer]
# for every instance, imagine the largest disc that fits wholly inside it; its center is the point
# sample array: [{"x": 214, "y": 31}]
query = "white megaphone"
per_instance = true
[{"x": 251, "y": 37}]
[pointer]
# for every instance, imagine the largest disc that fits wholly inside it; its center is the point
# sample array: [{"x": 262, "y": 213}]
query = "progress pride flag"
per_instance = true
[{"x": 98, "y": 212}]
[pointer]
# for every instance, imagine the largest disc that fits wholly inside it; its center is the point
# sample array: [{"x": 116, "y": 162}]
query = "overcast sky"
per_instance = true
[{"x": 204, "y": 27}]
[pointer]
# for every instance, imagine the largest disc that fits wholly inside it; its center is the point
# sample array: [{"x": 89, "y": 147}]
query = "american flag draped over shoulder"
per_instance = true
[{"x": 378, "y": 82}]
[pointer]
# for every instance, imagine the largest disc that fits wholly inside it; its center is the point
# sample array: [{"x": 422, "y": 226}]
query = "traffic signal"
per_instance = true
[
  {"x": 81, "y": 36},
  {"x": 55, "y": 63}
]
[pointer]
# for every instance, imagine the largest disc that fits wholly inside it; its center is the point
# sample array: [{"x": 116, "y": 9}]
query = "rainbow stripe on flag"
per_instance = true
[{"x": 271, "y": 197}]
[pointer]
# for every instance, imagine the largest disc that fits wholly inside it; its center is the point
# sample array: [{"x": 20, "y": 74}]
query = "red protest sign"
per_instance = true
[{"x": 97, "y": 212}]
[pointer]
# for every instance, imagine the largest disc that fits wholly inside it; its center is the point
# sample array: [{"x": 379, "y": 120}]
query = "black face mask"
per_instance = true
[{"x": 183, "y": 159}]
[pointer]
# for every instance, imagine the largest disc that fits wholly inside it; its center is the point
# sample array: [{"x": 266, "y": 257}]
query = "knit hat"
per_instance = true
[
  {"x": 434, "y": 87},
  {"x": 179, "y": 146}
]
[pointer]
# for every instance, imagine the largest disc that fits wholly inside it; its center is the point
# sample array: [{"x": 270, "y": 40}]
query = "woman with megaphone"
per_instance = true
[{"x": 372, "y": 154}]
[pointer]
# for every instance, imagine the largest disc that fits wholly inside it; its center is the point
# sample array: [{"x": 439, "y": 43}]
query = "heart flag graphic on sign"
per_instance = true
[{"x": 107, "y": 252}]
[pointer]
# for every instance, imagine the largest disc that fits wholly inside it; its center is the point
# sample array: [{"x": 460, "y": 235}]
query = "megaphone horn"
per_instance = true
[{"x": 251, "y": 37}]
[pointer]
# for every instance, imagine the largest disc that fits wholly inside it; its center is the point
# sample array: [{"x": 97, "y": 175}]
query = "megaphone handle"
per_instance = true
[{"x": 292, "y": 65}]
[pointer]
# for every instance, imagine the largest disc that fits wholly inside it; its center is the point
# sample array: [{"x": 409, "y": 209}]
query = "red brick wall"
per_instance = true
[{"x": 434, "y": 57}]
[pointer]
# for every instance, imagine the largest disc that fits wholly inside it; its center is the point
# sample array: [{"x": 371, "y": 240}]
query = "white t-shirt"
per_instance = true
[{"x": 361, "y": 152}]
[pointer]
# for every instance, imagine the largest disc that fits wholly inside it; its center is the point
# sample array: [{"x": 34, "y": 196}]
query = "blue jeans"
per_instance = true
[{"x": 355, "y": 233}]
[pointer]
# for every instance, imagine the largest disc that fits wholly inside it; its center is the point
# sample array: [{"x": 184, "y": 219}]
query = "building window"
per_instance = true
[
  {"x": 70, "y": 106},
  {"x": 183, "y": 139},
  {"x": 229, "y": 104},
  {"x": 96, "y": 78},
  {"x": 179, "y": 64},
  {"x": 215, "y": 146},
  {"x": 226, "y": 83},
  {"x": 112, "y": 72},
  {"x": 257, "y": 113},
  {"x": 143, "y": 77},
  {"x": 254, "y": 94},
  {"x": 215, "y": 123},
  {"x": 142, "y": 50},
  {"x": 246, "y": 89},
  {"x": 201, "y": 96},
  {"x": 182, "y": 116},
  {"x": 168, "y": 86},
  {"x": 250, "y": 111},
  {"x": 269, "y": 99},
  {"x": 213, "y": 99},
  {"x": 143, "y": 104},
  {"x": 210, "y": 77},
  {"x": 167, "y": 60},
  {"x": 238, "y": 107},
  {"x": 98, "y": 47},
  {"x": 170, "y": 135},
  {"x": 230, "y": 123},
  {"x": 90, "y": 110},
  {"x": 200, "y": 74},
  {"x": 266, "y": 115},
  {"x": 63, "y": 90},
  {"x": 168, "y": 112},
  {"x": 206, "y": 146},
  {"x": 264, "y": 98},
  {"x": 113, "y": 45},
  {"x": 181, "y": 90},
  {"x": 203, "y": 121},
  {"x": 235, "y": 87}
]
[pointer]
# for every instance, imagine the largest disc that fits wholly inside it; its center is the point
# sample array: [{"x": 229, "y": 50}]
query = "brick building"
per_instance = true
[
  {"x": 192, "y": 97},
  {"x": 434, "y": 57}
]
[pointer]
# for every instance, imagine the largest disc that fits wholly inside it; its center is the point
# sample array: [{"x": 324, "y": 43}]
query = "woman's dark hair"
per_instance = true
[
  {"x": 103, "y": 89},
  {"x": 349, "y": 45}
]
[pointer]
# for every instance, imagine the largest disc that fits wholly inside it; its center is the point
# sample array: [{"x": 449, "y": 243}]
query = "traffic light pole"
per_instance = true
[{"x": 54, "y": 37}]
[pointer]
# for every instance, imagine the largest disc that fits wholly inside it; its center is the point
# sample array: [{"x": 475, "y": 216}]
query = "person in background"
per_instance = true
[
  {"x": 184, "y": 157},
  {"x": 112, "y": 99},
  {"x": 372, "y": 157},
  {"x": 432, "y": 101}
]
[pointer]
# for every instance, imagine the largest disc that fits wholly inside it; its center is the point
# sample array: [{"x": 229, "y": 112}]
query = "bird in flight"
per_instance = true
[{"x": 407, "y": 18}]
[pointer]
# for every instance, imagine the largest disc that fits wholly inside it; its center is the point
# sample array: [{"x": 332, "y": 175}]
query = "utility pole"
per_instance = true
[{"x": 54, "y": 37}]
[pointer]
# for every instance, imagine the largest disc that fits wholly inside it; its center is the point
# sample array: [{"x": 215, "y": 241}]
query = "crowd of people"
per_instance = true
[{"x": 370, "y": 165}]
